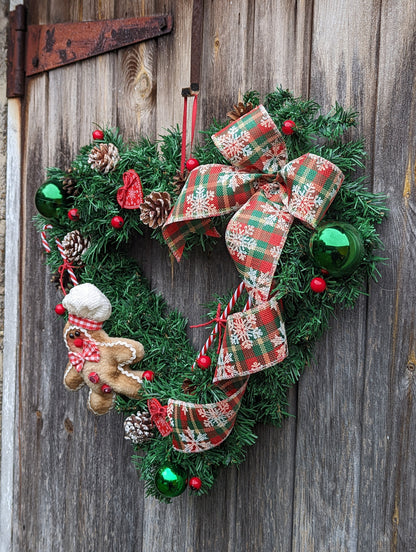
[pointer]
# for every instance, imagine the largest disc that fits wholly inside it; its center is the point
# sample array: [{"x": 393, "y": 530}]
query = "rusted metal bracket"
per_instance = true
[{"x": 34, "y": 49}]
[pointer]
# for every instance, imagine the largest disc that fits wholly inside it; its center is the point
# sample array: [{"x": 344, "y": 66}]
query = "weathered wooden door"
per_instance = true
[{"x": 340, "y": 476}]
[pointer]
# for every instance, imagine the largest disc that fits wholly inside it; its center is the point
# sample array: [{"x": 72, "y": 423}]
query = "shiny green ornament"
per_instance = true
[
  {"x": 170, "y": 480},
  {"x": 50, "y": 199},
  {"x": 337, "y": 247}
]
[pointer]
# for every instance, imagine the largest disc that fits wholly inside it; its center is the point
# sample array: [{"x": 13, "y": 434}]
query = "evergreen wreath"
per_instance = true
[{"x": 97, "y": 232}]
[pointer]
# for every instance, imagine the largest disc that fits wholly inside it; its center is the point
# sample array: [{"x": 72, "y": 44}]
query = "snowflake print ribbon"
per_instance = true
[
  {"x": 267, "y": 194},
  {"x": 253, "y": 340}
]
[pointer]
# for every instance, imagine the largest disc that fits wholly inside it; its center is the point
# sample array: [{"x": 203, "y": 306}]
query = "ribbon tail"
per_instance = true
[
  {"x": 200, "y": 427},
  {"x": 254, "y": 340},
  {"x": 255, "y": 238}
]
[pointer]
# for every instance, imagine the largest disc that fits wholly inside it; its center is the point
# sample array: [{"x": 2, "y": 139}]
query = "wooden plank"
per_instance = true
[
  {"x": 308, "y": 485},
  {"x": 11, "y": 318},
  {"x": 389, "y": 429},
  {"x": 328, "y": 440},
  {"x": 343, "y": 499}
]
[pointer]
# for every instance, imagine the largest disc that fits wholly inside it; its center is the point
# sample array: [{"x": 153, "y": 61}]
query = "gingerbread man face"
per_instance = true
[{"x": 95, "y": 359}]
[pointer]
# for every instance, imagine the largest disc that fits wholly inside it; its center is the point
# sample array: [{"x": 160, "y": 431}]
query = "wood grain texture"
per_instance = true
[{"x": 340, "y": 475}]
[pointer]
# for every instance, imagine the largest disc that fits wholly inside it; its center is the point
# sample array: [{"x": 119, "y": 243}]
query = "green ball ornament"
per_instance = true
[
  {"x": 337, "y": 247},
  {"x": 50, "y": 199},
  {"x": 170, "y": 480}
]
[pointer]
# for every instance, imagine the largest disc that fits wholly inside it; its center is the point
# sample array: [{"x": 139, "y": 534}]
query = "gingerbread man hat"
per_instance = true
[{"x": 87, "y": 307}]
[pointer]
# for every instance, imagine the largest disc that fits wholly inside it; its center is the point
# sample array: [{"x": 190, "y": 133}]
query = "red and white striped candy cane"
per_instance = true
[
  {"x": 61, "y": 251},
  {"x": 68, "y": 268},
  {"x": 43, "y": 238},
  {"x": 224, "y": 316}
]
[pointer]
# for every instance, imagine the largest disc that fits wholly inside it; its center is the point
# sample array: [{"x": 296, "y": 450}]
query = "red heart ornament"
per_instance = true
[{"x": 130, "y": 196}]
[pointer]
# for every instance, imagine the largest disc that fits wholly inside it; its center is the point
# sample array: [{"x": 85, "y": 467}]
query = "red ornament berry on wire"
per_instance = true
[
  {"x": 318, "y": 285},
  {"x": 192, "y": 163},
  {"x": 204, "y": 362},
  {"x": 98, "y": 134},
  {"x": 148, "y": 375},
  {"x": 60, "y": 309},
  {"x": 73, "y": 214},
  {"x": 117, "y": 222},
  {"x": 288, "y": 127},
  {"x": 195, "y": 483}
]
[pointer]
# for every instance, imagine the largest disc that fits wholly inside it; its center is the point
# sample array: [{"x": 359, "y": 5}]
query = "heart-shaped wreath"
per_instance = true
[{"x": 195, "y": 412}]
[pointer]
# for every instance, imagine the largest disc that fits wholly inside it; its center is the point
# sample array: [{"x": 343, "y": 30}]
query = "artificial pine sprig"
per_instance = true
[{"x": 143, "y": 315}]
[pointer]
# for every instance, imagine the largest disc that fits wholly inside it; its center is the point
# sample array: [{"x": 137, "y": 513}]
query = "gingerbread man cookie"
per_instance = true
[{"x": 95, "y": 359}]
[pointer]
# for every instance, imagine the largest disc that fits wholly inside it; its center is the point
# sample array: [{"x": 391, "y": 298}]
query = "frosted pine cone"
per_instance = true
[
  {"x": 104, "y": 157},
  {"x": 155, "y": 209},
  {"x": 138, "y": 428},
  {"x": 74, "y": 246},
  {"x": 239, "y": 110}
]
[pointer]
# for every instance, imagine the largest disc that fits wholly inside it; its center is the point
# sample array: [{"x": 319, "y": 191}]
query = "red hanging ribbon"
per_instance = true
[
  {"x": 183, "y": 149},
  {"x": 184, "y": 128}
]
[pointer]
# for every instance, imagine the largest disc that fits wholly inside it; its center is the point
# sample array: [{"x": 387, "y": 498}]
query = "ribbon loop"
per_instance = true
[{"x": 253, "y": 143}]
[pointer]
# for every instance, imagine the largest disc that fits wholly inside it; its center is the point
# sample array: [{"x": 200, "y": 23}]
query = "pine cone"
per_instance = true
[
  {"x": 138, "y": 428},
  {"x": 104, "y": 157},
  {"x": 74, "y": 246},
  {"x": 155, "y": 209},
  {"x": 239, "y": 110},
  {"x": 188, "y": 386},
  {"x": 179, "y": 181},
  {"x": 69, "y": 184}
]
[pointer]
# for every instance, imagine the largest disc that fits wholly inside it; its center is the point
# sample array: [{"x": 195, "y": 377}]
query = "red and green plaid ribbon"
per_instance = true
[{"x": 267, "y": 194}]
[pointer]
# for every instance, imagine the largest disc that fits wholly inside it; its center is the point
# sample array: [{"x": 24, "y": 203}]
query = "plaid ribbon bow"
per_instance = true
[
  {"x": 267, "y": 194},
  {"x": 89, "y": 352}
]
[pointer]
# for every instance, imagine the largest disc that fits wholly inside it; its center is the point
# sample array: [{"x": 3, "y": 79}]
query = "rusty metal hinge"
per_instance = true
[{"x": 34, "y": 49}]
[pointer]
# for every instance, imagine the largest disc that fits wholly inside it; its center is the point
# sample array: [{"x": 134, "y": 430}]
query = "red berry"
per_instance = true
[
  {"x": 60, "y": 309},
  {"x": 73, "y": 214},
  {"x": 148, "y": 375},
  {"x": 195, "y": 483},
  {"x": 324, "y": 271},
  {"x": 78, "y": 342},
  {"x": 288, "y": 127},
  {"x": 93, "y": 377},
  {"x": 98, "y": 134},
  {"x": 117, "y": 222},
  {"x": 204, "y": 362},
  {"x": 318, "y": 285},
  {"x": 192, "y": 163},
  {"x": 106, "y": 388}
]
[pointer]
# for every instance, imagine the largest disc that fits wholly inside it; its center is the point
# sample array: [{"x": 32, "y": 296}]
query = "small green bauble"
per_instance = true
[
  {"x": 337, "y": 247},
  {"x": 50, "y": 199},
  {"x": 170, "y": 480}
]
